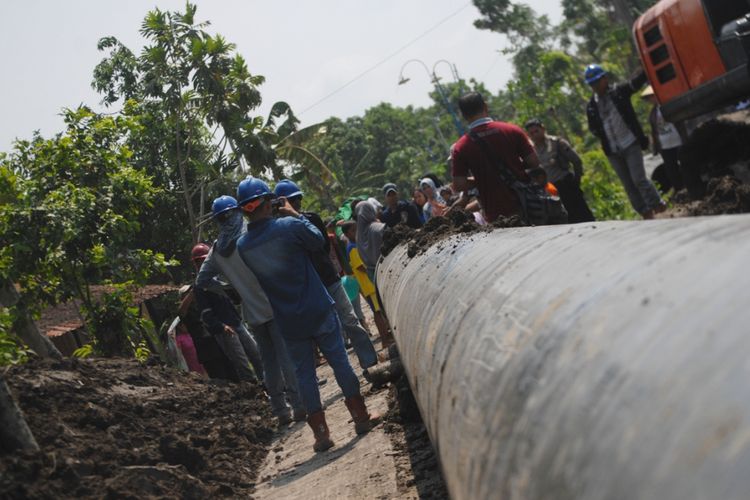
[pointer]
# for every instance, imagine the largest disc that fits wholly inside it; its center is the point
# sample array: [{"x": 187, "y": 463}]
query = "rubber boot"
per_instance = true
[
  {"x": 363, "y": 421},
  {"x": 317, "y": 422}
]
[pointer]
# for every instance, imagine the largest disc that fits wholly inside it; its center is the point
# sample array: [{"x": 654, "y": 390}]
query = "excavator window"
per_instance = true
[
  {"x": 652, "y": 36},
  {"x": 659, "y": 55},
  {"x": 666, "y": 73}
]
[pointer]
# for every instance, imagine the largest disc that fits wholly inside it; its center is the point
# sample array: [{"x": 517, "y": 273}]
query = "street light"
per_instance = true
[
  {"x": 436, "y": 81},
  {"x": 454, "y": 71}
]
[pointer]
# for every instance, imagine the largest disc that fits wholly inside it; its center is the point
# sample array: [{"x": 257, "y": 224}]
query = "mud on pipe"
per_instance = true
[{"x": 606, "y": 360}]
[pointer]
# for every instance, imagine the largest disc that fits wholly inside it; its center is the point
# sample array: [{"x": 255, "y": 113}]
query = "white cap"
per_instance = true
[{"x": 375, "y": 203}]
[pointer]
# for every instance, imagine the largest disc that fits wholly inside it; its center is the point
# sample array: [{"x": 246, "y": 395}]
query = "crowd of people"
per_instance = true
[{"x": 297, "y": 281}]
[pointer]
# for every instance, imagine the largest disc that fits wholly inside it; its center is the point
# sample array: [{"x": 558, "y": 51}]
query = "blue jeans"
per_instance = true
[
  {"x": 360, "y": 338},
  {"x": 278, "y": 369},
  {"x": 357, "y": 306},
  {"x": 331, "y": 344}
]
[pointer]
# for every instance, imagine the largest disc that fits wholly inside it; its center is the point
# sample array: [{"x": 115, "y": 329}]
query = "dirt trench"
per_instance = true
[{"x": 113, "y": 428}]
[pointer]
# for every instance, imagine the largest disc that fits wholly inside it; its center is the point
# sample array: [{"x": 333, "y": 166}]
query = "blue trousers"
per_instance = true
[
  {"x": 363, "y": 347},
  {"x": 331, "y": 344},
  {"x": 279, "y": 372}
]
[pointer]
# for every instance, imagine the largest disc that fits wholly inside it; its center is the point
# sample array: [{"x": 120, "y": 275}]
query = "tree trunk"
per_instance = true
[
  {"x": 14, "y": 432},
  {"x": 202, "y": 204},
  {"x": 23, "y": 326},
  {"x": 623, "y": 13},
  {"x": 183, "y": 179}
]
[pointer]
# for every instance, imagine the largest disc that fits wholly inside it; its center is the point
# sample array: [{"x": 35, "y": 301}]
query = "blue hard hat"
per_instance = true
[
  {"x": 251, "y": 189},
  {"x": 223, "y": 204},
  {"x": 593, "y": 73},
  {"x": 287, "y": 189}
]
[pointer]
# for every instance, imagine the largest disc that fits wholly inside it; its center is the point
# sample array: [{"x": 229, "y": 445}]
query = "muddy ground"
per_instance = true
[
  {"x": 117, "y": 429},
  {"x": 457, "y": 221},
  {"x": 724, "y": 195},
  {"x": 417, "y": 465},
  {"x": 113, "y": 428}
]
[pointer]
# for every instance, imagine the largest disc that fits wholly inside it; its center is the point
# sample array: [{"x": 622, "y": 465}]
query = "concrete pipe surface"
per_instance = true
[{"x": 606, "y": 360}]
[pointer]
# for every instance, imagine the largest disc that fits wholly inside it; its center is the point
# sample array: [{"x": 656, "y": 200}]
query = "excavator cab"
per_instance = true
[{"x": 696, "y": 54}]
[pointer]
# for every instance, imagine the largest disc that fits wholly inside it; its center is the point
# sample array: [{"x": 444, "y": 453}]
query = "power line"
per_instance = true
[
  {"x": 492, "y": 66},
  {"x": 390, "y": 56}
]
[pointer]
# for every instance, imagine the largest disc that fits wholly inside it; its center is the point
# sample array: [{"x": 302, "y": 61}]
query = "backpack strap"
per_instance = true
[{"x": 507, "y": 176}]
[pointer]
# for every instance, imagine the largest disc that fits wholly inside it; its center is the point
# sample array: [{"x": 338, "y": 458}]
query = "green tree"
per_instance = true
[
  {"x": 195, "y": 98},
  {"x": 70, "y": 209},
  {"x": 193, "y": 94},
  {"x": 386, "y": 144}
]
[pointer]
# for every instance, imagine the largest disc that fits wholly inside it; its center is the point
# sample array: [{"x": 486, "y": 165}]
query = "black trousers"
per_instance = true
[
  {"x": 573, "y": 201},
  {"x": 672, "y": 164}
]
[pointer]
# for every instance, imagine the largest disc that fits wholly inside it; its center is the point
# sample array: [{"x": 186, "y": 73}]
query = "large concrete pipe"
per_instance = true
[{"x": 608, "y": 360}]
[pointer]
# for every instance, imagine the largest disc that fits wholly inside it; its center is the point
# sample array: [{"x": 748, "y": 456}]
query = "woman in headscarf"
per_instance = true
[
  {"x": 420, "y": 200},
  {"x": 436, "y": 205},
  {"x": 369, "y": 236}
]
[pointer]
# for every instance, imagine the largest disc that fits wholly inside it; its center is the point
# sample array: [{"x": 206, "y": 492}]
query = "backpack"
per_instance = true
[{"x": 538, "y": 208}]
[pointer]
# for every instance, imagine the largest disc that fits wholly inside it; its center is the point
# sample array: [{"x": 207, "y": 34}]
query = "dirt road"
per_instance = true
[{"x": 376, "y": 465}]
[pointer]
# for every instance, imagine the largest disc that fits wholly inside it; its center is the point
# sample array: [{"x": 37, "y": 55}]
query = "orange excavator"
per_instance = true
[{"x": 696, "y": 54}]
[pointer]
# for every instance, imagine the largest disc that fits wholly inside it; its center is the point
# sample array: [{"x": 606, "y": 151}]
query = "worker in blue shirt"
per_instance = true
[{"x": 277, "y": 250}]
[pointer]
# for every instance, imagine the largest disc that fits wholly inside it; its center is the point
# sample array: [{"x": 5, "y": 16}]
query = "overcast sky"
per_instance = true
[{"x": 305, "y": 49}]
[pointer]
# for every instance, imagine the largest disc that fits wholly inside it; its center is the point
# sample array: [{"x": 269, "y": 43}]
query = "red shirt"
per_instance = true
[{"x": 512, "y": 145}]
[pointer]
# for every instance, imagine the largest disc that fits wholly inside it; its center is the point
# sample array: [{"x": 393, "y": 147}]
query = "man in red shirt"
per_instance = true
[{"x": 471, "y": 167}]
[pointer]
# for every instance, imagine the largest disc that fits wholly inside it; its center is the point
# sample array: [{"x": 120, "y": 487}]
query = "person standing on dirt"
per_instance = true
[
  {"x": 398, "y": 211},
  {"x": 564, "y": 169},
  {"x": 220, "y": 318},
  {"x": 666, "y": 139},
  {"x": 278, "y": 369},
  {"x": 209, "y": 354},
  {"x": 330, "y": 277},
  {"x": 612, "y": 119},
  {"x": 369, "y": 235},
  {"x": 471, "y": 168},
  {"x": 366, "y": 287},
  {"x": 278, "y": 251}
]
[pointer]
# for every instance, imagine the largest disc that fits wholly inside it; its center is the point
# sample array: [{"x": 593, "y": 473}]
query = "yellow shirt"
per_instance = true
[{"x": 358, "y": 267}]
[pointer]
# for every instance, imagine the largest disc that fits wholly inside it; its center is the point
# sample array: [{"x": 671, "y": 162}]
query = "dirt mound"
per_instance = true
[
  {"x": 457, "y": 221},
  {"x": 725, "y": 195},
  {"x": 116, "y": 428},
  {"x": 718, "y": 144}
]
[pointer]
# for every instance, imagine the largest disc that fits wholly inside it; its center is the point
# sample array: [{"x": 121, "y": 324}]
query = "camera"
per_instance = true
[{"x": 276, "y": 203}]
